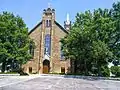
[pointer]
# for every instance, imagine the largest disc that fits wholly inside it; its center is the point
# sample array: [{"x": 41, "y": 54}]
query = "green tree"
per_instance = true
[
  {"x": 14, "y": 39},
  {"x": 88, "y": 40},
  {"x": 115, "y": 70},
  {"x": 115, "y": 37}
]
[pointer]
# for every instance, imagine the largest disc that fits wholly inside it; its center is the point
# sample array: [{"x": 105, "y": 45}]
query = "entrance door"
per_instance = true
[
  {"x": 46, "y": 66},
  {"x": 45, "y": 69}
]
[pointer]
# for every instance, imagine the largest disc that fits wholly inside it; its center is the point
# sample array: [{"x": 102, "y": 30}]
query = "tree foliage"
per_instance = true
[
  {"x": 94, "y": 39},
  {"x": 115, "y": 70},
  {"x": 14, "y": 40}
]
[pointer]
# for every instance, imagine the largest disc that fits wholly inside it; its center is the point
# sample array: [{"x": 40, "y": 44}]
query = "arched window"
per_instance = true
[
  {"x": 48, "y": 23},
  {"x": 31, "y": 49},
  {"x": 47, "y": 44},
  {"x": 62, "y": 57}
]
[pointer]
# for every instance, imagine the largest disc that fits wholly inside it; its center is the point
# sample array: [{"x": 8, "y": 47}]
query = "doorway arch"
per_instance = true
[{"x": 46, "y": 66}]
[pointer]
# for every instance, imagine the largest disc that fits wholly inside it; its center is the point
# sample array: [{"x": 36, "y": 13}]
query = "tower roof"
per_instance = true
[
  {"x": 68, "y": 19},
  {"x": 49, "y": 9},
  {"x": 60, "y": 26}
]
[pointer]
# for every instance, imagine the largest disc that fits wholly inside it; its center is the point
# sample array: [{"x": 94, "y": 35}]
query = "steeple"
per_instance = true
[
  {"x": 67, "y": 23},
  {"x": 68, "y": 19},
  {"x": 48, "y": 16}
]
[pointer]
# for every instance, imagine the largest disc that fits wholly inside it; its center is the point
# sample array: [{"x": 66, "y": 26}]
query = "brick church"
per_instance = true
[{"x": 47, "y": 54}]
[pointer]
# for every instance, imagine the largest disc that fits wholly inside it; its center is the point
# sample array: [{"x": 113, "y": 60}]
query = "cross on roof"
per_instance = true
[{"x": 49, "y": 3}]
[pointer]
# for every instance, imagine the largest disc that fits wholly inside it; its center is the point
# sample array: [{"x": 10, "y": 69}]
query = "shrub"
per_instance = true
[
  {"x": 105, "y": 71},
  {"x": 8, "y": 73},
  {"x": 22, "y": 73},
  {"x": 115, "y": 70}
]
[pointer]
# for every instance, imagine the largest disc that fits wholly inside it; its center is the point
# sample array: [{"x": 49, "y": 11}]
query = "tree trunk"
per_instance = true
[
  {"x": 86, "y": 71},
  {"x": 3, "y": 66}
]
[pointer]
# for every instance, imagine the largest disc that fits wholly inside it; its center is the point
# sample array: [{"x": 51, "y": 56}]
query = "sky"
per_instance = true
[{"x": 31, "y": 10}]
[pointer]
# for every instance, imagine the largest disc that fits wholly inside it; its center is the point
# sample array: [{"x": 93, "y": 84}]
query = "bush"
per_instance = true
[
  {"x": 8, "y": 73},
  {"x": 115, "y": 70},
  {"x": 105, "y": 71},
  {"x": 34, "y": 73},
  {"x": 22, "y": 73},
  {"x": 58, "y": 73}
]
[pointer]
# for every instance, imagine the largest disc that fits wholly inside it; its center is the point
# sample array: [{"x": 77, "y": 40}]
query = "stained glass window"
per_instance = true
[{"x": 47, "y": 44}]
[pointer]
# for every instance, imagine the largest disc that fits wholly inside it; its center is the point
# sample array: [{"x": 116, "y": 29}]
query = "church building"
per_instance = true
[{"x": 47, "y": 54}]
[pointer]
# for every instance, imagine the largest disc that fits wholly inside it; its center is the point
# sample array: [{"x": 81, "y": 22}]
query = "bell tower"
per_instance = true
[
  {"x": 48, "y": 14},
  {"x": 47, "y": 35},
  {"x": 67, "y": 23}
]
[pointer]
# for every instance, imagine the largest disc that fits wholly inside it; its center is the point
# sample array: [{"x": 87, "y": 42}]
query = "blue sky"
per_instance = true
[{"x": 31, "y": 10}]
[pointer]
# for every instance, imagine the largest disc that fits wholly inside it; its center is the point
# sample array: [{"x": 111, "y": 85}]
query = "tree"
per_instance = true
[
  {"x": 115, "y": 37},
  {"x": 88, "y": 40},
  {"x": 14, "y": 39},
  {"x": 115, "y": 70}
]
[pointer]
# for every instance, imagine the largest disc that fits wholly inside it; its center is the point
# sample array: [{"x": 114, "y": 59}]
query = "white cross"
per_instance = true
[{"x": 49, "y": 4}]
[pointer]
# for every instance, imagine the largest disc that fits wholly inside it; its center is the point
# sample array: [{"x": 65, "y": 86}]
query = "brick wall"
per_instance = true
[{"x": 38, "y": 36}]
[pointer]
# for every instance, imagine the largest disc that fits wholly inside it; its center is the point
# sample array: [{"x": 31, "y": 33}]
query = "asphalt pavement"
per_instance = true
[{"x": 55, "y": 83}]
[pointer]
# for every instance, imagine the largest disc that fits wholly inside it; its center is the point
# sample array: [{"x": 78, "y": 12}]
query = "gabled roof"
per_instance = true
[
  {"x": 63, "y": 29},
  {"x": 60, "y": 26},
  {"x": 35, "y": 27}
]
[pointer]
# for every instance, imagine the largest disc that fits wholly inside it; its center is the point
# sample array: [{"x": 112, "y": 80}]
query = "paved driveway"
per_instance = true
[{"x": 57, "y": 83}]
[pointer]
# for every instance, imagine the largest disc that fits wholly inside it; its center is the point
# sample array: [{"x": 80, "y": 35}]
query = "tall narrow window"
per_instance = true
[
  {"x": 48, "y": 23},
  {"x": 61, "y": 54},
  {"x": 31, "y": 49},
  {"x": 47, "y": 44}
]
